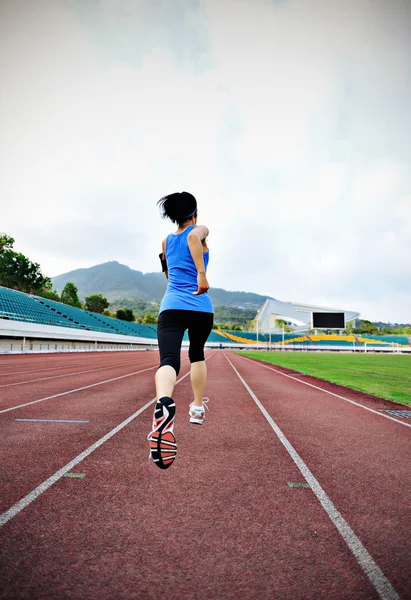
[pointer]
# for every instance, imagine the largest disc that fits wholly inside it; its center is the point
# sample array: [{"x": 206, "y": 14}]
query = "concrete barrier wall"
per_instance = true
[
  {"x": 25, "y": 345},
  {"x": 20, "y": 336}
]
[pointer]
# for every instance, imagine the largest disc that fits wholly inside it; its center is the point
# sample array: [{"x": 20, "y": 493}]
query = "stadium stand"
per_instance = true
[
  {"x": 18, "y": 306},
  {"x": 250, "y": 335},
  {"x": 124, "y": 327},
  {"x": 293, "y": 339},
  {"x": 392, "y": 340},
  {"x": 341, "y": 340},
  {"x": 76, "y": 317},
  {"x": 333, "y": 340},
  {"x": 152, "y": 327},
  {"x": 244, "y": 337},
  {"x": 216, "y": 336}
]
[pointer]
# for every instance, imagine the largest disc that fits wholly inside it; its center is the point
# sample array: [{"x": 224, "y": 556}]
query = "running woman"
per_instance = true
[{"x": 185, "y": 305}]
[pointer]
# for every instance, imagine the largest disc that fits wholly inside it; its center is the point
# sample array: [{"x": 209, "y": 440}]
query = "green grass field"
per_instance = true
[{"x": 385, "y": 376}]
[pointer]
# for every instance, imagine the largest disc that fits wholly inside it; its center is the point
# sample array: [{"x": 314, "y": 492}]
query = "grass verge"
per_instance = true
[{"x": 385, "y": 376}]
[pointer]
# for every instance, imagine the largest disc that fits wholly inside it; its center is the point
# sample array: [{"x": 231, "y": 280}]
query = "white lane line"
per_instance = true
[
  {"x": 31, "y": 496},
  {"x": 257, "y": 362},
  {"x": 85, "y": 387},
  {"x": 381, "y": 584},
  {"x": 34, "y": 371},
  {"x": 53, "y": 420},
  {"x": 18, "y": 507},
  {"x": 71, "y": 360},
  {"x": 67, "y": 366},
  {"x": 105, "y": 368}
]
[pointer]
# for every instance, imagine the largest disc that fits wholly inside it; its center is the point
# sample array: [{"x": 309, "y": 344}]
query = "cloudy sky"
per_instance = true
[{"x": 290, "y": 121}]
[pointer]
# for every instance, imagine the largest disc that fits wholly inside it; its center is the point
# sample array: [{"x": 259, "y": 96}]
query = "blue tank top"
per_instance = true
[{"x": 182, "y": 276}]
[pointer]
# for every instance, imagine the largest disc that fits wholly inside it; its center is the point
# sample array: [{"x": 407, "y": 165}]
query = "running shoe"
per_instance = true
[
  {"x": 163, "y": 446},
  {"x": 197, "y": 413}
]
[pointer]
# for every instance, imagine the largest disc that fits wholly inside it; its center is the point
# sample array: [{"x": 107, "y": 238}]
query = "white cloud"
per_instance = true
[{"x": 288, "y": 121}]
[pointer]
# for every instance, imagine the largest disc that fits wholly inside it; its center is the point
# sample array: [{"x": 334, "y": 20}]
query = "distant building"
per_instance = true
[{"x": 295, "y": 315}]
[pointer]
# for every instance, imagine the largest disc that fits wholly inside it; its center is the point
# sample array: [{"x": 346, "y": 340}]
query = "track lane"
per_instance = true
[
  {"x": 44, "y": 359},
  {"x": 26, "y": 446},
  {"x": 15, "y": 396},
  {"x": 5, "y": 373},
  {"x": 365, "y": 401},
  {"x": 21, "y": 379},
  {"x": 221, "y": 523},
  {"x": 32, "y": 451},
  {"x": 35, "y": 362},
  {"x": 64, "y": 360},
  {"x": 361, "y": 460}
]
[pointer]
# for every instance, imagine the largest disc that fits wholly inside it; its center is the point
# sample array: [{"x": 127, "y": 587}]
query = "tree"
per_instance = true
[
  {"x": 125, "y": 314},
  {"x": 367, "y": 327},
  {"x": 19, "y": 273},
  {"x": 69, "y": 295},
  {"x": 96, "y": 303},
  {"x": 150, "y": 319},
  {"x": 49, "y": 293},
  {"x": 6, "y": 242},
  {"x": 349, "y": 330},
  {"x": 251, "y": 325}
]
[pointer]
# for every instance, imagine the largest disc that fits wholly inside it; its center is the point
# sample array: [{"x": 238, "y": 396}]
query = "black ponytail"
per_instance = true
[{"x": 178, "y": 207}]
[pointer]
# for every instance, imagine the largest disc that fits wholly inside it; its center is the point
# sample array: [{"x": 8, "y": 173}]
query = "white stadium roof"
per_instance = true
[{"x": 296, "y": 314}]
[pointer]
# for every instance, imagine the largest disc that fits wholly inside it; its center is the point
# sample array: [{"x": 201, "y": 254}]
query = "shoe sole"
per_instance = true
[
  {"x": 163, "y": 449},
  {"x": 163, "y": 445}
]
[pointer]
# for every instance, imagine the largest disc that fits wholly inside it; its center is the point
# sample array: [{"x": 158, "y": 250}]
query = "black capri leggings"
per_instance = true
[{"x": 170, "y": 331}]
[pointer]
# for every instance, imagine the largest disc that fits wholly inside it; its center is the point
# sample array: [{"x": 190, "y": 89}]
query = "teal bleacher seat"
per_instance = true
[
  {"x": 19, "y": 306},
  {"x": 216, "y": 337},
  {"x": 391, "y": 339}
]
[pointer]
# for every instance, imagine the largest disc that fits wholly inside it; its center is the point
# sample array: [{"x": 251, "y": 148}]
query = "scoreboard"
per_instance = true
[{"x": 328, "y": 320}]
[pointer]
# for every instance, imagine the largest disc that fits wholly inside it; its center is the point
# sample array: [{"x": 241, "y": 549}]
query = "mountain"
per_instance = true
[
  {"x": 390, "y": 325},
  {"x": 118, "y": 282},
  {"x": 114, "y": 281}
]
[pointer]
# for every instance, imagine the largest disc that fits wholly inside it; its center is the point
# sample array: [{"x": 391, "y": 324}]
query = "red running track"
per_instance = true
[{"x": 222, "y": 522}]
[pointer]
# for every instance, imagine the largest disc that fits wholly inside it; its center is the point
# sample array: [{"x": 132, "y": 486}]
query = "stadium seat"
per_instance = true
[{"x": 19, "y": 306}]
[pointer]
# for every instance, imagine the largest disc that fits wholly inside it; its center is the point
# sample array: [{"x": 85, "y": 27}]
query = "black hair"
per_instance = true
[{"x": 178, "y": 207}]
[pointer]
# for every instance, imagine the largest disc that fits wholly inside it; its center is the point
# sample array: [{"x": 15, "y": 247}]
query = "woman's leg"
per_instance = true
[
  {"x": 198, "y": 376},
  {"x": 163, "y": 445},
  {"x": 170, "y": 332},
  {"x": 198, "y": 332},
  {"x": 165, "y": 380}
]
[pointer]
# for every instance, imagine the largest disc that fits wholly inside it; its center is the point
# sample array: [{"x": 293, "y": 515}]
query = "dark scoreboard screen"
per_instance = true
[{"x": 328, "y": 320}]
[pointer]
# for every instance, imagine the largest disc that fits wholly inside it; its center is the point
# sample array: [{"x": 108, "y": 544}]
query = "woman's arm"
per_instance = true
[
  {"x": 195, "y": 245},
  {"x": 164, "y": 258}
]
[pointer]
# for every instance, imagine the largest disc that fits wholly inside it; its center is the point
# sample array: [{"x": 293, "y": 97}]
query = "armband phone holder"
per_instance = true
[{"x": 163, "y": 262}]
